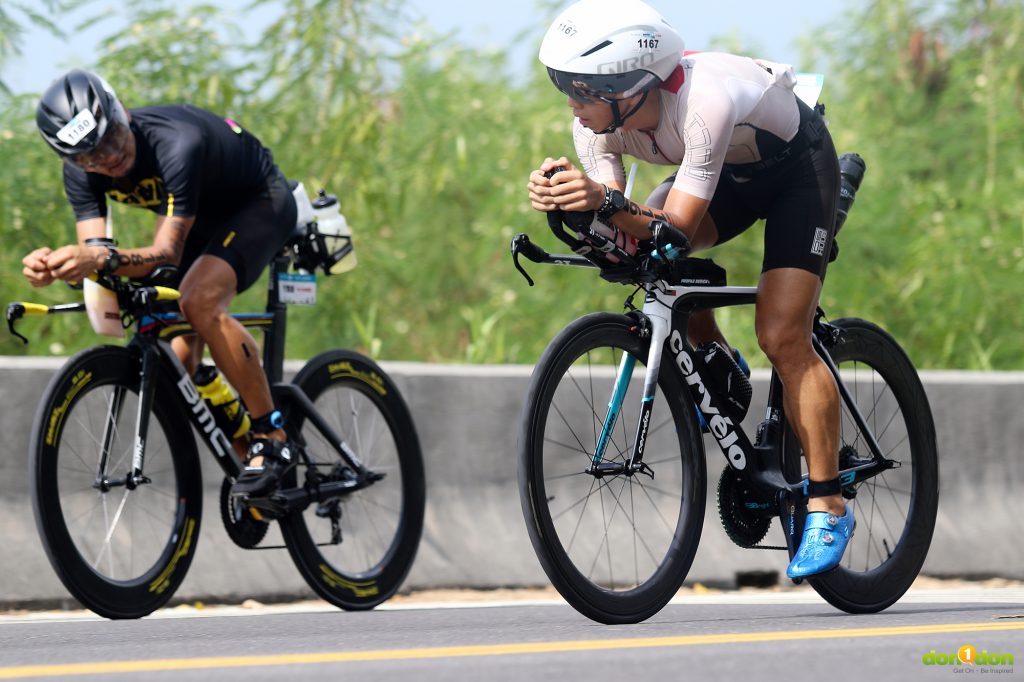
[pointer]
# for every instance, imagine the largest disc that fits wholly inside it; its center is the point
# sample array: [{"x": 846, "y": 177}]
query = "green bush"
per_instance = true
[{"x": 428, "y": 145}]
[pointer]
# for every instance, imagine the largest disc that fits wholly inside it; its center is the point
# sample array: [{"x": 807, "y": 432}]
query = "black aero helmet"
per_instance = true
[{"x": 76, "y": 111}]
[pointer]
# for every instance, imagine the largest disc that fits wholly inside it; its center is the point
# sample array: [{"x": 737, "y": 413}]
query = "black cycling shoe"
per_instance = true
[{"x": 262, "y": 480}]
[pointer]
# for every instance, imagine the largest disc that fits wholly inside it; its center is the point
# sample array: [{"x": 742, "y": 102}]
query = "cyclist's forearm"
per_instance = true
[
  {"x": 168, "y": 248},
  {"x": 140, "y": 262},
  {"x": 635, "y": 218},
  {"x": 682, "y": 211}
]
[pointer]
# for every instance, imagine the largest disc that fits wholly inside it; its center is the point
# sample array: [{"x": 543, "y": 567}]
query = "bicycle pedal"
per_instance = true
[
  {"x": 329, "y": 510},
  {"x": 270, "y": 507}
]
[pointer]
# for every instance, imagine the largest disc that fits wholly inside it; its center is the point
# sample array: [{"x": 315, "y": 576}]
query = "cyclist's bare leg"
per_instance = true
[
  {"x": 786, "y": 301},
  {"x": 189, "y": 350},
  {"x": 702, "y": 327},
  {"x": 206, "y": 294}
]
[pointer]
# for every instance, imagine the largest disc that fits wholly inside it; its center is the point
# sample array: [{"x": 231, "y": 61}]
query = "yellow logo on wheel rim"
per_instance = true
[{"x": 345, "y": 369}]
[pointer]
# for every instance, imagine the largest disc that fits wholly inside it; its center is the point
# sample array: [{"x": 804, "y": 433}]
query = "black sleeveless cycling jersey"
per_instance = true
[{"x": 188, "y": 162}]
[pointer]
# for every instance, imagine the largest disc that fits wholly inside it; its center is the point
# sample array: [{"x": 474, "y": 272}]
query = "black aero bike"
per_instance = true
[
  {"x": 115, "y": 473},
  {"x": 611, "y": 466}
]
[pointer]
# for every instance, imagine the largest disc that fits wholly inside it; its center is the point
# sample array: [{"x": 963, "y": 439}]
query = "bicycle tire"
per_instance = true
[
  {"x": 381, "y": 524},
  {"x": 567, "y": 511},
  {"x": 896, "y": 509},
  {"x": 122, "y": 553}
]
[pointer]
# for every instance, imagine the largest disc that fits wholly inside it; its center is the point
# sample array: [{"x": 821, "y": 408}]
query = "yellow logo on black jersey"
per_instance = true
[{"x": 147, "y": 193}]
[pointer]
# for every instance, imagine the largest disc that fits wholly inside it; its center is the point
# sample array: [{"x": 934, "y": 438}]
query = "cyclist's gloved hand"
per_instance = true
[{"x": 669, "y": 243}]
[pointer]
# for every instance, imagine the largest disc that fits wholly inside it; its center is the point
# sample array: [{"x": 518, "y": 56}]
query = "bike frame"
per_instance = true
[
  {"x": 151, "y": 339},
  {"x": 666, "y": 310}
]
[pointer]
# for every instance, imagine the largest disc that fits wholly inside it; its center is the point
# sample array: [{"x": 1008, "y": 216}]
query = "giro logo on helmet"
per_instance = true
[{"x": 627, "y": 65}]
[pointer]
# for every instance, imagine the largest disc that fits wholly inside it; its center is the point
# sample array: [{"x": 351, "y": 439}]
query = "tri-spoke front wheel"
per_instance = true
[{"x": 616, "y": 543}]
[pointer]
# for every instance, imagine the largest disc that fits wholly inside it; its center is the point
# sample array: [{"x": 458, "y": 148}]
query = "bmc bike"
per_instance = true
[
  {"x": 611, "y": 463},
  {"x": 115, "y": 473}
]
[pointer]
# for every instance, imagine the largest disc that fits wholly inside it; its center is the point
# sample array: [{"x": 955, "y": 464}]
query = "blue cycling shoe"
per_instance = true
[
  {"x": 825, "y": 539},
  {"x": 741, "y": 362}
]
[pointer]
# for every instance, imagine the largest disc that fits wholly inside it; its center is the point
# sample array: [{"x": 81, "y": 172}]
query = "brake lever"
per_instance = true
[
  {"x": 15, "y": 311},
  {"x": 522, "y": 243}
]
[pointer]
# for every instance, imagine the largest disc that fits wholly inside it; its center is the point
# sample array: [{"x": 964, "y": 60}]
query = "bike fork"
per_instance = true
[
  {"x": 659, "y": 333},
  {"x": 147, "y": 389}
]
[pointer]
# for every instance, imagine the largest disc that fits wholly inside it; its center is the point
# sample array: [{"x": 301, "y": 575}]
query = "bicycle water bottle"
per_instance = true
[
  {"x": 851, "y": 173},
  {"x": 331, "y": 223},
  {"x": 726, "y": 378},
  {"x": 227, "y": 409}
]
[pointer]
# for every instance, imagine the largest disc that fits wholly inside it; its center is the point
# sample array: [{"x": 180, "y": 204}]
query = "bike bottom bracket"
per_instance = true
[
  {"x": 244, "y": 529},
  {"x": 745, "y": 517}
]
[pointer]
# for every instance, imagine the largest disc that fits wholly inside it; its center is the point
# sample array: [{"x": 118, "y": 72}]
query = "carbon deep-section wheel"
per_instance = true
[
  {"x": 616, "y": 543},
  {"x": 121, "y": 547},
  {"x": 356, "y": 549}
]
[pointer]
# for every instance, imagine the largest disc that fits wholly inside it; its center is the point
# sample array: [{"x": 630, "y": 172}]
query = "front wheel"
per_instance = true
[
  {"x": 616, "y": 546},
  {"x": 895, "y": 510},
  {"x": 120, "y": 549},
  {"x": 356, "y": 549}
]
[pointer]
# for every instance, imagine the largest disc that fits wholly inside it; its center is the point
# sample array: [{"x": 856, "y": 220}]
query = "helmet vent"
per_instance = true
[{"x": 596, "y": 48}]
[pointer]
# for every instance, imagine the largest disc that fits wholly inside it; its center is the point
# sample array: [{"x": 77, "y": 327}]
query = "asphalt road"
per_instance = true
[{"x": 729, "y": 636}]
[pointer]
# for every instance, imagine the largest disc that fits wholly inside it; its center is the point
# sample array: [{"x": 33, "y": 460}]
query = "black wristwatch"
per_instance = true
[
  {"x": 113, "y": 262},
  {"x": 614, "y": 201}
]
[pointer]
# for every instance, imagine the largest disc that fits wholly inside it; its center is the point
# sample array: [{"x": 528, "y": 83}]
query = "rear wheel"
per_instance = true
[
  {"x": 617, "y": 547},
  {"x": 356, "y": 549},
  {"x": 121, "y": 551},
  {"x": 895, "y": 510}
]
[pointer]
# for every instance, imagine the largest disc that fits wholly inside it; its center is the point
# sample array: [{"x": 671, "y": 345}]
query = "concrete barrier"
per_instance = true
[{"x": 475, "y": 536}]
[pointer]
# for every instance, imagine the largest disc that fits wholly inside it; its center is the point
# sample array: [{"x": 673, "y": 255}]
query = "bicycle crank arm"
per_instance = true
[{"x": 291, "y": 500}]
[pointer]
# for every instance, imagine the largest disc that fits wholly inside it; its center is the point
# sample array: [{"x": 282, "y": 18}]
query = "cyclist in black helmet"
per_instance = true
[
  {"x": 743, "y": 147},
  {"x": 223, "y": 210}
]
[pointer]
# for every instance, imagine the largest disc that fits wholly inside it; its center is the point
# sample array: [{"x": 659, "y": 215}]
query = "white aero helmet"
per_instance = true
[{"x": 597, "y": 49}]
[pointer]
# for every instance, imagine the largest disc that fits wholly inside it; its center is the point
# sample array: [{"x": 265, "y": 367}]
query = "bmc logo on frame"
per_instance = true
[{"x": 969, "y": 660}]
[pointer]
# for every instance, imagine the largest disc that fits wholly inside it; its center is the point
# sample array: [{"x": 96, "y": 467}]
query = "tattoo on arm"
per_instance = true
[
  {"x": 638, "y": 210},
  {"x": 148, "y": 259}
]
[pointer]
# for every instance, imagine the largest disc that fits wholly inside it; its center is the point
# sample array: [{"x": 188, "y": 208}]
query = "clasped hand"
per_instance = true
[
  {"x": 71, "y": 263},
  {"x": 568, "y": 190}
]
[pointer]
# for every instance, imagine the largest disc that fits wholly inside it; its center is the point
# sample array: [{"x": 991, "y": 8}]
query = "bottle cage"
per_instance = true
[{"x": 312, "y": 251}]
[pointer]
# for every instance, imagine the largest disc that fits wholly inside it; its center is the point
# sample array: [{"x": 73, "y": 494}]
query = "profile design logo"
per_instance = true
[{"x": 968, "y": 658}]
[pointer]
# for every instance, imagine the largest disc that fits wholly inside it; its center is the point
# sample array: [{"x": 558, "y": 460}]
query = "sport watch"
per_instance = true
[
  {"x": 113, "y": 262},
  {"x": 614, "y": 201}
]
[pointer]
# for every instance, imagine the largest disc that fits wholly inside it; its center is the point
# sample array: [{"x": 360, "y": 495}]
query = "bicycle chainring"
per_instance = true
[
  {"x": 242, "y": 527},
  {"x": 744, "y": 525}
]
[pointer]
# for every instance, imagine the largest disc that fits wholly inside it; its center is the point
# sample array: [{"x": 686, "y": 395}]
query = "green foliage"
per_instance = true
[
  {"x": 934, "y": 249},
  {"x": 14, "y": 14},
  {"x": 428, "y": 145}
]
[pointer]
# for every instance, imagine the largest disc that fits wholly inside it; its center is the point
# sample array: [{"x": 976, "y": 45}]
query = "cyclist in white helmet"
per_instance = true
[{"x": 743, "y": 148}]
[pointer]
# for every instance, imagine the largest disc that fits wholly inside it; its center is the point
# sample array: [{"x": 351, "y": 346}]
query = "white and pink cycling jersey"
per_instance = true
[{"x": 716, "y": 108}]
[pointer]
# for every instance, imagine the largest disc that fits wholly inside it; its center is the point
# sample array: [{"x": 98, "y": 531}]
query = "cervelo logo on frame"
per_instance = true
[
  {"x": 721, "y": 426},
  {"x": 968, "y": 655}
]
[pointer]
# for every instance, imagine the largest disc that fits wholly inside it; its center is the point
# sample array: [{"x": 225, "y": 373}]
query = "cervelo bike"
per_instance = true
[
  {"x": 115, "y": 473},
  {"x": 611, "y": 467}
]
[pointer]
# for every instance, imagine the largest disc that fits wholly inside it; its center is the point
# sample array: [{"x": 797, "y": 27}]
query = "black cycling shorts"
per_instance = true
[
  {"x": 797, "y": 198},
  {"x": 248, "y": 237}
]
